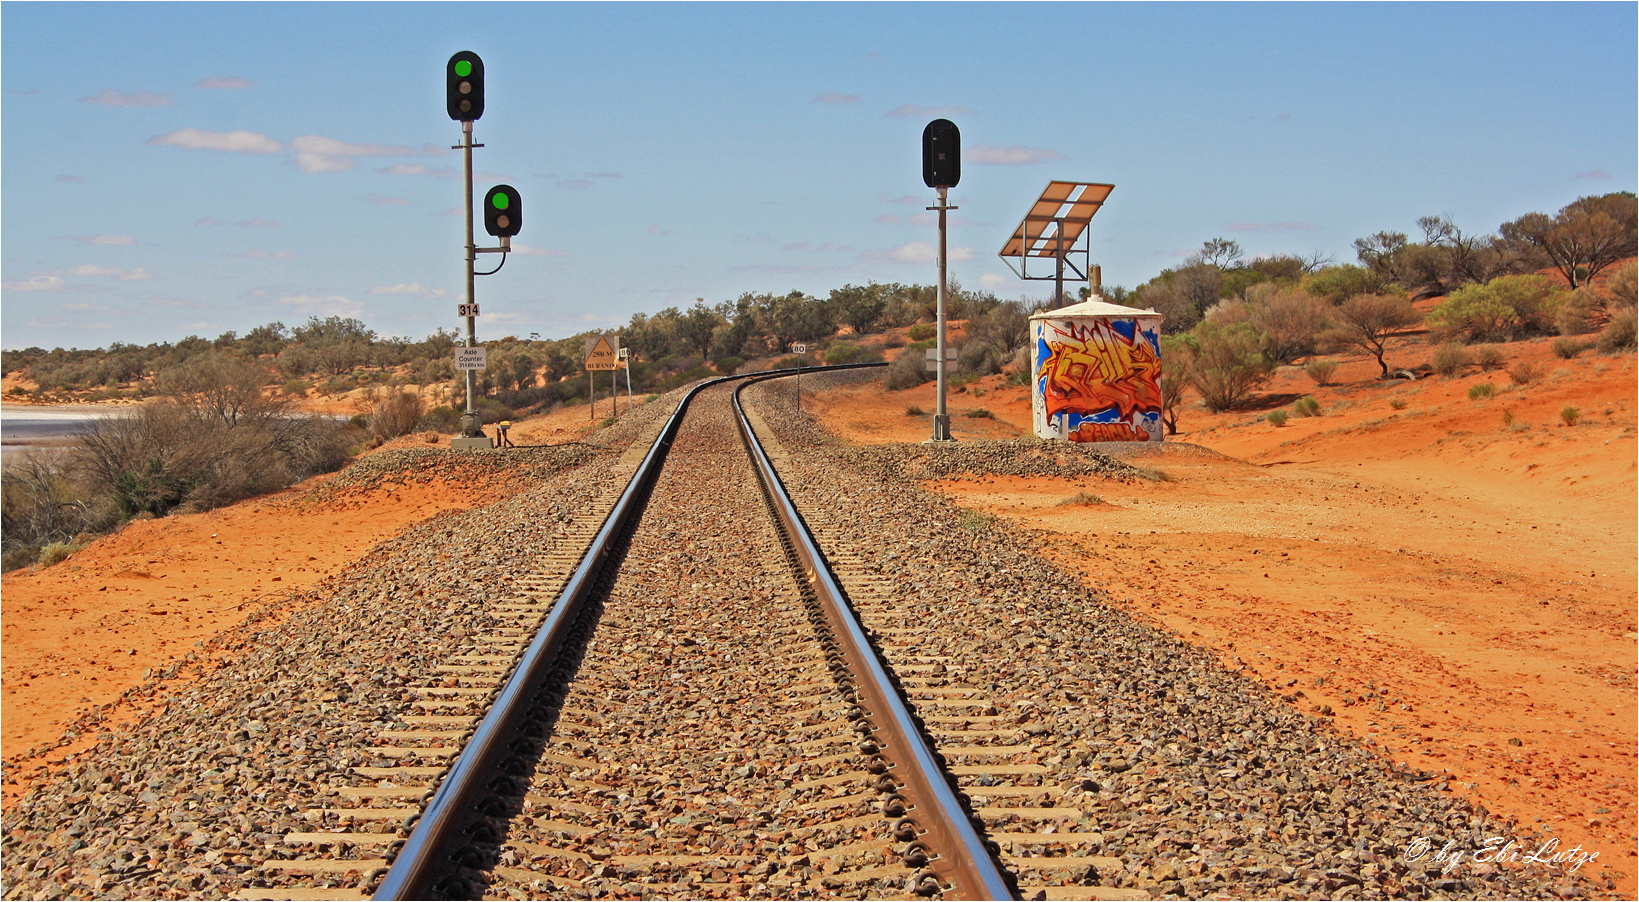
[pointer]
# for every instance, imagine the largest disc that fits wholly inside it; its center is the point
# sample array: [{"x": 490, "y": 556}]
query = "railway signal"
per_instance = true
[
  {"x": 503, "y": 211},
  {"x": 464, "y": 86},
  {"x": 941, "y": 170}
]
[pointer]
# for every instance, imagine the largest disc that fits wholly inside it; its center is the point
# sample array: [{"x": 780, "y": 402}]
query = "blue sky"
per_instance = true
[{"x": 175, "y": 169}]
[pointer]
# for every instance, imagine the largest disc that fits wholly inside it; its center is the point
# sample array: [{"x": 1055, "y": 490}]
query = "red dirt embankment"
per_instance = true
[{"x": 1457, "y": 588}]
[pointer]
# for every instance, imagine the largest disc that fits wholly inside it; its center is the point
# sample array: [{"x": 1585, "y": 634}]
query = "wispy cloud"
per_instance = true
[
  {"x": 408, "y": 288},
  {"x": 783, "y": 268},
  {"x": 36, "y": 283},
  {"x": 257, "y": 223},
  {"x": 70, "y": 179},
  {"x": 921, "y": 219},
  {"x": 917, "y": 252},
  {"x": 826, "y": 248},
  {"x": 912, "y": 111},
  {"x": 326, "y": 304},
  {"x": 991, "y": 281},
  {"x": 442, "y": 172},
  {"x": 124, "y": 275},
  {"x": 901, "y": 199},
  {"x": 655, "y": 229},
  {"x": 105, "y": 240},
  {"x": 832, "y": 97},
  {"x": 1011, "y": 156},
  {"x": 240, "y": 141},
  {"x": 1599, "y": 175},
  {"x": 224, "y": 82},
  {"x": 255, "y": 254},
  {"x": 528, "y": 251},
  {"x": 318, "y": 153},
  {"x": 111, "y": 97},
  {"x": 1270, "y": 227},
  {"x": 389, "y": 201}
]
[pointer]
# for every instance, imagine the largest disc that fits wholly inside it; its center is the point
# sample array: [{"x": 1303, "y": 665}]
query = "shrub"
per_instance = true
[
  {"x": 1397, "y": 403},
  {"x": 1290, "y": 320},
  {"x": 1508, "y": 418},
  {"x": 1502, "y": 309},
  {"x": 1569, "y": 415},
  {"x": 1449, "y": 358},
  {"x": 906, "y": 371},
  {"x": 840, "y": 354},
  {"x": 728, "y": 365},
  {"x": 1228, "y": 363},
  {"x": 1579, "y": 314},
  {"x": 923, "y": 331},
  {"x": 786, "y": 363},
  {"x": 295, "y": 387},
  {"x": 1481, "y": 390},
  {"x": 1622, "y": 284},
  {"x": 1320, "y": 370},
  {"x": 1489, "y": 357},
  {"x": 395, "y": 415},
  {"x": 915, "y": 410},
  {"x": 1306, "y": 406},
  {"x": 1523, "y": 372},
  {"x": 1567, "y": 347},
  {"x": 1080, "y": 499},
  {"x": 1276, "y": 417},
  {"x": 56, "y": 553},
  {"x": 1622, "y": 332},
  {"x": 1018, "y": 368},
  {"x": 979, "y": 413}
]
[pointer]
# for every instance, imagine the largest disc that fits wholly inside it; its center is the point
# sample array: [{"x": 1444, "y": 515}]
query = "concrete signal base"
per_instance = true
[{"x": 470, "y": 442}]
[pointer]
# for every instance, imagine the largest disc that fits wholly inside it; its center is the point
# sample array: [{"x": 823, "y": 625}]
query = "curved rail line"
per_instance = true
[{"x": 931, "y": 816}]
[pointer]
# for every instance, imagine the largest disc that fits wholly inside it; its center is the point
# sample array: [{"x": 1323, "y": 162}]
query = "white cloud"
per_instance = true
[
  {"x": 528, "y": 251},
  {"x": 912, "y": 111},
  {"x": 323, "y": 305},
  {"x": 834, "y": 97},
  {"x": 229, "y": 82},
  {"x": 111, "y": 97},
  {"x": 919, "y": 252},
  {"x": 71, "y": 179},
  {"x": 410, "y": 288},
  {"x": 443, "y": 172},
  {"x": 91, "y": 270},
  {"x": 137, "y": 275},
  {"x": 106, "y": 240},
  {"x": 240, "y": 141},
  {"x": 1011, "y": 156},
  {"x": 901, "y": 199},
  {"x": 264, "y": 255},
  {"x": 317, "y": 153},
  {"x": 390, "y": 201},
  {"x": 36, "y": 283},
  {"x": 990, "y": 281},
  {"x": 1598, "y": 175}
]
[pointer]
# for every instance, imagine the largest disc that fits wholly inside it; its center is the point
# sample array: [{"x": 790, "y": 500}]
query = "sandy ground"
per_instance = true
[
  {"x": 79, "y": 634},
  {"x": 1458, "y": 590}
]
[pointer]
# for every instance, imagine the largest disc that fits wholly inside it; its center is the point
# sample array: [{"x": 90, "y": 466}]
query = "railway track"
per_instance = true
[{"x": 699, "y": 714}]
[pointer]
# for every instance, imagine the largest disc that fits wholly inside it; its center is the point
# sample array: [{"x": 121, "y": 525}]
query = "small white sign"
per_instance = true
[
  {"x": 799, "y": 348},
  {"x": 467, "y": 309},
  {"x": 469, "y": 358}
]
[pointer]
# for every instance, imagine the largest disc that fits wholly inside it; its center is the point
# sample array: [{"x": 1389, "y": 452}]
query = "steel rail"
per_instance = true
[
  {"x": 436, "y": 835},
  {"x": 425, "y": 854},
  {"x": 962, "y": 858}
]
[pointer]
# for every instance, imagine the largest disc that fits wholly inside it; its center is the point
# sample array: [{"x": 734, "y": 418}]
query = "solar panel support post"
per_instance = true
[
  {"x": 941, "y": 418},
  {"x": 1058, "y": 269}
]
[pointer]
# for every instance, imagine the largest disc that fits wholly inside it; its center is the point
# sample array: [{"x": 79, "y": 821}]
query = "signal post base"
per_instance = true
[{"x": 470, "y": 443}]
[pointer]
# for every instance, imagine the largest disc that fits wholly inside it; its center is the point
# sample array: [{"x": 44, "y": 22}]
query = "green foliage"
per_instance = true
[
  {"x": 1502, "y": 309},
  {"x": 923, "y": 331},
  {"x": 1489, "y": 357},
  {"x": 1368, "y": 321},
  {"x": 841, "y": 354},
  {"x": 906, "y": 371},
  {"x": 1621, "y": 333},
  {"x": 1320, "y": 370},
  {"x": 1306, "y": 406},
  {"x": 1397, "y": 403},
  {"x": 1276, "y": 417},
  {"x": 1228, "y": 363},
  {"x": 1481, "y": 390},
  {"x": 1523, "y": 372},
  {"x": 1569, "y": 415},
  {"x": 1566, "y": 347},
  {"x": 1177, "y": 362},
  {"x": 1336, "y": 284},
  {"x": 914, "y": 410},
  {"x": 1080, "y": 499},
  {"x": 1584, "y": 238},
  {"x": 979, "y": 413},
  {"x": 56, "y": 553},
  {"x": 728, "y": 365}
]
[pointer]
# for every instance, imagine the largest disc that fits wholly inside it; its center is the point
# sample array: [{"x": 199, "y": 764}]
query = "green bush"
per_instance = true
[
  {"x": 1397, "y": 403},
  {"x": 1621, "y": 333},
  {"x": 1306, "y": 406},
  {"x": 923, "y": 331},
  {"x": 1276, "y": 417},
  {"x": 1320, "y": 371},
  {"x": 56, "y": 553},
  {"x": 979, "y": 413},
  {"x": 1489, "y": 357},
  {"x": 1502, "y": 309},
  {"x": 908, "y": 370},
  {"x": 1569, "y": 415},
  {"x": 1567, "y": 347},
  {"x": 1228, "y": 363},
  {"x": 1481, "y": 390},
  {"x": 1449, "y": 358},
  {"x": 915, "y": 410},
  {"x": 728, "y": 365},
  {"x": 1524, "y": 372},
  {"x": 841, "y": 354}
]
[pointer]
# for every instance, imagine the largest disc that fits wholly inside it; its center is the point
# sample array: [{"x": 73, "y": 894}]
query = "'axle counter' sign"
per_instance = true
[{"x": 469, "y": 358}]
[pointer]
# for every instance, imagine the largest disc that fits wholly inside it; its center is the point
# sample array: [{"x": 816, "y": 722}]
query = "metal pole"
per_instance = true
[
  {"x": 1058, "y": 256},
  {"x": 941, "y": 419},
  {"x": 469, "y": 423}
]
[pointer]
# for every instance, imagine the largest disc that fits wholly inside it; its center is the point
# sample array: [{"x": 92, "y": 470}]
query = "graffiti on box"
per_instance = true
[{"x": 1099, "y": 380}]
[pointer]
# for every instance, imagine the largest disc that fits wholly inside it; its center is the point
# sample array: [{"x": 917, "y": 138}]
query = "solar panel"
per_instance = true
[{"x": 1057, "y": 219}]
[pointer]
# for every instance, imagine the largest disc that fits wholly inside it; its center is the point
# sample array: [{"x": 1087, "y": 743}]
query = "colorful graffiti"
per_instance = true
[{"x": 1099, "y": 380}]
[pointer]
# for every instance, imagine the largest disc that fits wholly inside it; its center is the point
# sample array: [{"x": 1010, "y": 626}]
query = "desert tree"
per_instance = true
[
  {"x": 1222, "y": 253},
  {"x": 1587, "y": 236},
  {"x": 1228, "y": 363},
  {"x": 697, "y": 326},
  {"x": 1367, "y": 321}
]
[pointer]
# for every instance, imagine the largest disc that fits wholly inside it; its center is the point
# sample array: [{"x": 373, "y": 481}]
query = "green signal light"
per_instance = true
[
  {"x": 463, "y": 68},
  {"x": 500, "y": 201}
]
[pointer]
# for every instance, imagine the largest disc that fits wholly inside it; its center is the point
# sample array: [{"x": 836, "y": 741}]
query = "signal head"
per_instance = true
[
  {"x": 464, "y": 86},
  {"x": 941, "y": 154},
  {"x": 503, "y": 211}
]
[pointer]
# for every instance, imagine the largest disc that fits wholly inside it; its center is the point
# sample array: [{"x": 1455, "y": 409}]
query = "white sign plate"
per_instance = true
[
  {"x": 799, "y": 348},
  {"x": 467, "y": 309},
  {"x": 469, "y": 358}
]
